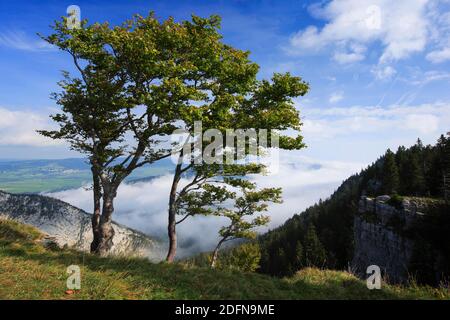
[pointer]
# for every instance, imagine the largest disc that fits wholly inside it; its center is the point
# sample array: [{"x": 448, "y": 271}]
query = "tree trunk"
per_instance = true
[
  {"x": 96, "y": 216},
  {"x": 106, "y": 231},
  {"x": 216, "y": 253},
  {"x": 171, "y": 228}
]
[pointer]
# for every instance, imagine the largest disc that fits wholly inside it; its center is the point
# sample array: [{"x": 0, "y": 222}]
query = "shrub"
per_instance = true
[{"x": 396, "y": 201}]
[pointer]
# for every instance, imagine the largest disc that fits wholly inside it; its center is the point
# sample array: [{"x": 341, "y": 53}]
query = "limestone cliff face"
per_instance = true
[
  {"x": 69, "y": 226},
  {"x": 379, "y": 236}
]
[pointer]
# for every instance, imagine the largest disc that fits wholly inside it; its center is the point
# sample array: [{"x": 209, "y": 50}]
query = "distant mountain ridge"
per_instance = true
[{"x": 71, "y": 226}]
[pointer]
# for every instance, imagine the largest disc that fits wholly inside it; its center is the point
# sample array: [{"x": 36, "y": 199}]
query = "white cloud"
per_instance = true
[
  {"x": 336, "y": 97},
  {"x": 344, "y": 57},
  {"x": 399, "y": 26},
  {"x": 423, "y": 123},
  {"x": 20, "y": 41},
  {"x": 439, "y": 30},
  {"x": 143, "y": 206},
  {"x": 324, "y": 124},
  {"x": 355, "y": 53},
  {"x": 423, "y": 78},
  {"x": 383, "y": 72},
  {"x": 439, "y": 56},
  {"x": 19, "y": 128}
]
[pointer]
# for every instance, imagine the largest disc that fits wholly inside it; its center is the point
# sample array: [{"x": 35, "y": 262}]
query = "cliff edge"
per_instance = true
[{"x": 385, "y": 235}]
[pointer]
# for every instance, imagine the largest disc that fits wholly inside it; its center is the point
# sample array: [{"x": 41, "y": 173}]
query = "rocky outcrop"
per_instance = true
[
  {"x": 69, "y": 226},
  {"x": 379, "y": 237}
]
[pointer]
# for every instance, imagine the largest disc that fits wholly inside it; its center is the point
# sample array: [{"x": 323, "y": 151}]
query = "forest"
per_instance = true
[{"x": 322, "y": 235}]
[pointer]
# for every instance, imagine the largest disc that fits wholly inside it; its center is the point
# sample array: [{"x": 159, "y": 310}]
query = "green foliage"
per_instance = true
[
  {"x": 314, "y": 252},
  {"x": 299, "y": 256},
  {"x": 389, "y": 178},
  {"x": 414, "y": 165},
  {"x": 241, "y": 206},
  {"x": 249, "y": 203},
  {"x": 396, "y": 201},
  {"x": 244, "y": 258}
]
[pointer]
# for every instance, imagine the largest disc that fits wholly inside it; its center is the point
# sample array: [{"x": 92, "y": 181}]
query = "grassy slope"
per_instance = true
[{"x": 30, "y": 271}]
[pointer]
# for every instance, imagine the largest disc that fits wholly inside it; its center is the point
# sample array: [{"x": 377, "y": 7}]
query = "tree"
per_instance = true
[
  {"x": 91, "y": 122},
  {"x": 146, "y": 78},
  {"x": 230, "y": 97},
  {"x": 440, "y": 168},
  {"x": 401, "y": 158},
  {"x": 415, "y": 182},
  {"x": 238, "y": 206},
  {"x": 128, "y": 87},
  {"x": 445, "y": 154},
  {"x": 299, "y": 260},
  {"x": 315, "y": 254},
  {"x": 244, "y": 257},
  {"x": 212, "y": 180},
  {"x": 390, "y": 177}
]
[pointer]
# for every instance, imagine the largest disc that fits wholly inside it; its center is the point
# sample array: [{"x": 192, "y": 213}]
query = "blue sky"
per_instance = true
[{"x": 379, "y": 70}]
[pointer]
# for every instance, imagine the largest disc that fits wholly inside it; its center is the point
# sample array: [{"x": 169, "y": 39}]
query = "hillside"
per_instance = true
[
  {"x": 70, "y": 226},
  {"x": 28, "y": 270},
  {"x": 323, "y": 235}
]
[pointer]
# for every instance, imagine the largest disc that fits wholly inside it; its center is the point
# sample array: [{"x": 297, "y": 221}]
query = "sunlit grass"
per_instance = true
[{"x": 30, "y": 271}]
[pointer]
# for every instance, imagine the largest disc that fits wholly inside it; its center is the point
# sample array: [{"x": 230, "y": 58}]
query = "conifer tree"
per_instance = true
[
  {"x": 299, "y": 255},
  {"x": 281, "y": 261},
  {"x": 314, "y": 251},
  {"x": 415, "y": 181},
  {"x": 390, "y": 177}
]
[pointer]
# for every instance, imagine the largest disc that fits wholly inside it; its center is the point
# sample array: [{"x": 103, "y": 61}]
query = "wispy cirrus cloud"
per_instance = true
[
  {"x": 424, "y": 78},
  {"x": 336, "y": 97},
  {"x": 19, "y": 40}
]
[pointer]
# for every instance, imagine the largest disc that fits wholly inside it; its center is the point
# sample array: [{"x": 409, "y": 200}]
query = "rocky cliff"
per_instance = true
[
  {"x": 69, "y": 226},
  {"x": 380, "y": 238}
]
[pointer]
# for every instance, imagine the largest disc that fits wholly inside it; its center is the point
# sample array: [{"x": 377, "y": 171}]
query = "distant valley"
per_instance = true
[{"x": 37, "y": 176}]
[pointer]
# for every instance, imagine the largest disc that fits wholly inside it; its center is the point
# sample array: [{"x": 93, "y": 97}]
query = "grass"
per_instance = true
[{"x": 28, "y": 270}]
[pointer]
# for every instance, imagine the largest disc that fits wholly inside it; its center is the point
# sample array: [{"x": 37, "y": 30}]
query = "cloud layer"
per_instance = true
[{"x": 143, "y": 206}]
